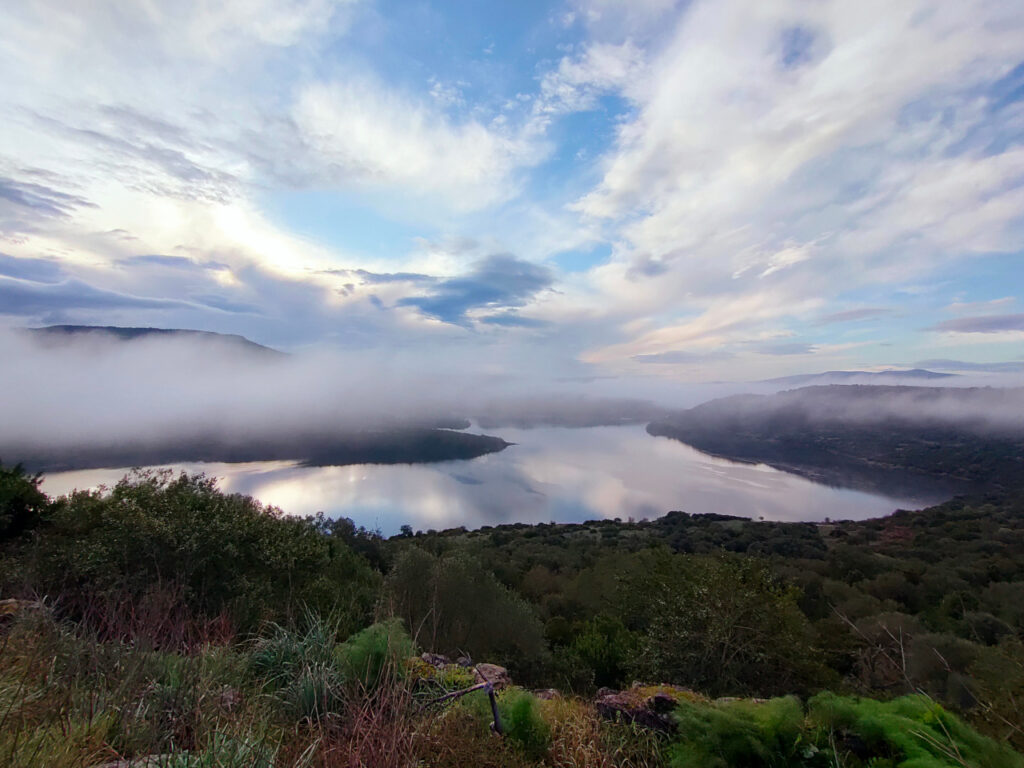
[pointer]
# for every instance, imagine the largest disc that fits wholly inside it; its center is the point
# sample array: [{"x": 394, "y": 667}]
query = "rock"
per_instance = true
[
  {"x": 493, "y": 674},
  {"x": 436, "y": 659},
  {"x": 464, "y": 661},
  {"x": 648, "y": 705}
]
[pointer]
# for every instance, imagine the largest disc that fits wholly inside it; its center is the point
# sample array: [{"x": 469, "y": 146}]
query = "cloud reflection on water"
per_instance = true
[{"x": 550, "y": 474}]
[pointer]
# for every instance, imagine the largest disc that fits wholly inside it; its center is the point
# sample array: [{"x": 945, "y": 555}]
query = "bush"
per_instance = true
[
  {"x": 377, "y": 651},
  {"x": 723, "y": 625},
  {"x": 742, "y": 733},
  {"x": 106, "y": 552},
  {"x": 23, "y": 506},
  {"x": 299, "y": 670},
  {"x": 911, "y": 732},
  {"x": 453, "y": 605},
  {"x": 522, "y": 722}
]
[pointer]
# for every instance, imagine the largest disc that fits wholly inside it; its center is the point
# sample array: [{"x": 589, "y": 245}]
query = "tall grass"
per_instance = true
[{"x": 307, "y": 698}]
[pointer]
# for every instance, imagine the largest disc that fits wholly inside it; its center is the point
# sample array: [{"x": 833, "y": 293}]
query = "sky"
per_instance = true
[{"x": 584, "y": 190}]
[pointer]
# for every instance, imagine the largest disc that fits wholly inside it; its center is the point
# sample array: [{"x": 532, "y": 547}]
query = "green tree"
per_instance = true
[
  {"x": 451, "y": 604},
  {"x": 22, "y": 505},
  {"x": 723, "y": 625}
]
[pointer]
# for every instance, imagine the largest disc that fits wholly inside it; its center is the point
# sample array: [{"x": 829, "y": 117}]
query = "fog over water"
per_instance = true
[{"x": 550, "y": 474}]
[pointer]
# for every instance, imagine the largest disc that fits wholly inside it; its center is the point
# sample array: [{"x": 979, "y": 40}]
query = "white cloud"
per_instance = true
[
  {"x": 784, "y": 153},
  {"x": 578, "y": 81},
  {"x": 363, "y": 132}
]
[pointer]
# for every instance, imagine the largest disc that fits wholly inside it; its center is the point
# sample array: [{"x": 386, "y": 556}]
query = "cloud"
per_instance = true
[
  {"x": 851, "y": 315},
  {"x": 578, "y": 81},
  {"x": 159, "y": 260},
  {"x": 496, "y": 282},
  {"x": 35, "y": 270},
  {"x": 787, "y": 348},
  {"x": 512, "y": 320},
  {"x": 683, "y": 357},
  {"x": 785, "y": 154},
  {"x": 363, "y": 133},
  {"x": 28, "y": 206},
  {"x": 992, "y": 305},
  {"x": 381, "y": 278},
  {"x": 981, "y": 324},
  {"x": 23, "y": 298}
]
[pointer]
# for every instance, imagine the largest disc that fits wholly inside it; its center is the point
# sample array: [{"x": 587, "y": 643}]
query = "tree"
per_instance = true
[
  {"x": 23, "y": 506},
  {"x": 723, "y": 625},
  {"x": 452, "y": 605}
]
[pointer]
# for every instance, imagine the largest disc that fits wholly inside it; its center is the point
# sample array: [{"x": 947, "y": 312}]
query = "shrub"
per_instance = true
[
  {"x": 218, "y": 553},
  {"x": 741, "y": 733},
  {"x": 912, "y": 732},
  {"x": 369, "y": 655},
  {"x": 522, "y": 722}
]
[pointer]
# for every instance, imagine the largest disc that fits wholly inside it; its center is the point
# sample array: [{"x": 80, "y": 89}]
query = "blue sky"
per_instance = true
[{"x": 689, "y": 191}]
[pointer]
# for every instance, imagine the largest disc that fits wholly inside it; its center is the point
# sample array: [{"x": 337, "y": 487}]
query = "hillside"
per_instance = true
[
  {"x": 201, "y": 626},
  {"x": 870, "y": 437},
  {"x": 391, "y": 446}
]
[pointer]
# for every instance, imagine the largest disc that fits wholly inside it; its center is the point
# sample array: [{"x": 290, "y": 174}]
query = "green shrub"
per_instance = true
[
  {"x": 370, "y": 655},
  {"x": 277, "y": 657},
  {"x": 742, "y": 733},
  {"x": 909, "y": 732},
  {"x": 912, "y": 731},
  {"x": 208, "y": 553},
  {"x": 522, "y": 722}
]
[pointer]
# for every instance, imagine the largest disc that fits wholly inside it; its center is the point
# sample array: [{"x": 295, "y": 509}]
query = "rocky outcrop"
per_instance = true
[
  {"x": 436, "y": 659},
  {"x": 648, "y": 705},
  {"x": 492, "y": 673}
]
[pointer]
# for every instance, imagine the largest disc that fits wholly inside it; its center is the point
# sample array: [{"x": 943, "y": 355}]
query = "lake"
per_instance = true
[{"x": 550, "y": 474}]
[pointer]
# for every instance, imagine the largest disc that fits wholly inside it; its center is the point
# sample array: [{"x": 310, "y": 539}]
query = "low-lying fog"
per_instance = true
[{"x": 98, "y": 392}]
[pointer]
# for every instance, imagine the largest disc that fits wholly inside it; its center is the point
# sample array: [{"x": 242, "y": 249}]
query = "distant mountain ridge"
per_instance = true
[
  {"x": 121, "y": 333},
  {"x": 919, "y": 374}
]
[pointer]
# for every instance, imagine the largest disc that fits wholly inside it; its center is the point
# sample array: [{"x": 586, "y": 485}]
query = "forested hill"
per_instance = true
[
  {"x": 871, "y": 437},
  {"x": 70, "y": 333},
  {"x": 412, "y": 445}
]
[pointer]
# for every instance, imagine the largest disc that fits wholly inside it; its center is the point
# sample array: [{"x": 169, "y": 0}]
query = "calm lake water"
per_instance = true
[{"x": 550, "y": 474}]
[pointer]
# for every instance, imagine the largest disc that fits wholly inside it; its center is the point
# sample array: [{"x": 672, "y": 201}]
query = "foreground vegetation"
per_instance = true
[{"x": 167, "y": 618}]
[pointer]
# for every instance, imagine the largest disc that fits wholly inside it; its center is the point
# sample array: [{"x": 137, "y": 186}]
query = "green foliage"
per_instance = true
[
  {"x": 522, "y": 722},
  {"x": 722, "y": 625},
  {"x": 375, "y": 653},
  {"x": 216, "y": 553},
  {"x": 521, "y": 719},
  {"x": 604, "y": 646},
  {"x": 23, "y": 507},
  {"x": 910, "y": 732},
  {"x": 299, "y": 669},
  {"x": 768, "y": 735},
  {"x": 453, "y": 605}
]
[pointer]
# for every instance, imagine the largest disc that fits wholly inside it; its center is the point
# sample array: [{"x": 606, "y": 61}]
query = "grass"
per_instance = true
[{"x": 308, "y": 698}]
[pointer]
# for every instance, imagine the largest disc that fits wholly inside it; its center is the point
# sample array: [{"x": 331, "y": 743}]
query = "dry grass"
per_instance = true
[{"x": 581, "y": 739}]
